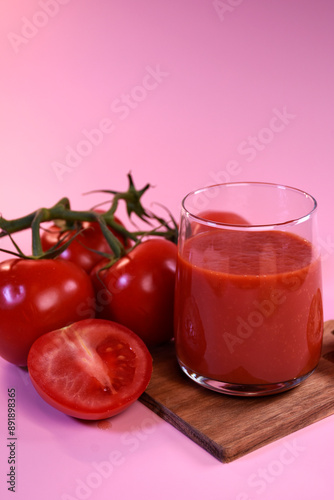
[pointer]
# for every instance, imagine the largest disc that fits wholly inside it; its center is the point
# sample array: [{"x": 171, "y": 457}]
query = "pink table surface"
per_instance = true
[{"x": 184, "y": 94}]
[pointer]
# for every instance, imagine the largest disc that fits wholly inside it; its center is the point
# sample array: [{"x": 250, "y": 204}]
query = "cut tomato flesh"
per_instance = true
[{"x": 91, "y": 369}]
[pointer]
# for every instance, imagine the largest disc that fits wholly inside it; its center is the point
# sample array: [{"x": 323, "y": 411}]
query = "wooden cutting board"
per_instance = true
[{"x": 229, "y": 427}]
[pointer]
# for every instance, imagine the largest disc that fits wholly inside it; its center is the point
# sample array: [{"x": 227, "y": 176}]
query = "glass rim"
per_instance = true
[{"x": 294, "y": 220}]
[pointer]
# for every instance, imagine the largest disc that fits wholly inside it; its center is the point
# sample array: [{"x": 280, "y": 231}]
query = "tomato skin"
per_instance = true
[
  {"x": 217, "y": 216},
  {"x": 224, "y": 217},
  {"x": 84, "y": 247},
  {"x": 37, "y": 296},
  {"x": 141, "y": 290},
  {"x": 92, "y": 369}
]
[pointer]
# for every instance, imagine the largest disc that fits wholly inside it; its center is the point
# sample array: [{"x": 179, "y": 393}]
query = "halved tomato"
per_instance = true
[{"x": 92, "y": 369}]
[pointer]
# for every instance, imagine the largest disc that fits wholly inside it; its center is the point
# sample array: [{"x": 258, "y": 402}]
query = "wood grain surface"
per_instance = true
[{"x": 229, "y": 427}]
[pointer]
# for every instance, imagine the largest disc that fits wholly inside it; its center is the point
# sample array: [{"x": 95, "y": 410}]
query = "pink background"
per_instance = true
[{"x": 186, "y": 94}]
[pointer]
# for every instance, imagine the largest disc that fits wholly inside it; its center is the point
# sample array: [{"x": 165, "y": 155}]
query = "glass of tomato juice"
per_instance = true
[{"x": 248, "y": 301}]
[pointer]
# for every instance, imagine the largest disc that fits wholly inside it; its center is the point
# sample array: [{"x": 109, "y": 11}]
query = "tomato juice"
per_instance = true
[{"x": 248, "y": 306}]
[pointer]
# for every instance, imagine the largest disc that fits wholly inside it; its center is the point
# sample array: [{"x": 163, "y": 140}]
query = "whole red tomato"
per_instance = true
[
  {"x": 224, "y": 217},
  {"x": 37, "y": 296},
  {"x": 138, "y": 290},
  {"x": 84, "y": 248},
  {"x": 91, "y": 369},
  {"x": 229, "y": 218}
]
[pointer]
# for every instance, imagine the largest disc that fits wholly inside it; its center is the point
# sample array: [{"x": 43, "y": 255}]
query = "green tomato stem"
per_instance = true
[
  {"x": 61, "y": 212},
  {"x": 37, "y": 249}
]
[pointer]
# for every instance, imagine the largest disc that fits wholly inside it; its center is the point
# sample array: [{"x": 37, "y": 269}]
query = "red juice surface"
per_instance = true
[{"x": 248, "y": 306}]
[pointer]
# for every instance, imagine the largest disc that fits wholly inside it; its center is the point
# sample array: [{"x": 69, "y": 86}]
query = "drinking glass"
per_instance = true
[{"x": 248, "y": 301}]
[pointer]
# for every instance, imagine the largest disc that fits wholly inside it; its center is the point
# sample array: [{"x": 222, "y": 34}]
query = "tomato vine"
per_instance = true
[{"x": 68, "y": 219}]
